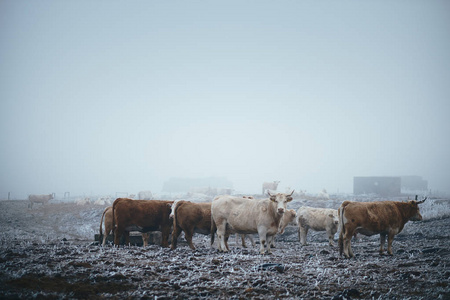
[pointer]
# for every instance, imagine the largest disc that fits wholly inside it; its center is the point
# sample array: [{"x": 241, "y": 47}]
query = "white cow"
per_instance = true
[
  {"x": 245, "y": 216},
  {"x": 269, "y": 186},
  {"x": 324, "y": 195},
  {"x": 39, "y": 199},
  {"x": 145, "y": 195},
  {"x": 84, "y": 201},
  {"x": 317, "y": 219},
  {"x": 288, "y": 217}
]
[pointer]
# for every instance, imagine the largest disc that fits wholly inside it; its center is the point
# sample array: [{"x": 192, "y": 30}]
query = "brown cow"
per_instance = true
[
  {"x": 108, "y": 217},
  {"x": 141, "y": 215},
  {"x": 369, "y": 218},
  {"x": 190, "y": 217}
]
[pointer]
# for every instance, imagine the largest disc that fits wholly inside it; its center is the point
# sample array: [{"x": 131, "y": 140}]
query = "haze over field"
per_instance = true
[{"x": 98, "y": 97}]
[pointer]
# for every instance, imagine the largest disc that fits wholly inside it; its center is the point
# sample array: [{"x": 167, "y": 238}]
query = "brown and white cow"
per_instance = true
[
  {"x": 141, "y": 215},
  {"x": 245, "y": 216},
  {"x": 190, "y": 217},
  {"x": 107, "y": 216},
  {"x": 269, "y": 186},
  {"x": 39, "y": 199},
  {"x": 317, "y": 219},
  {"x": 369, "y": 218}
]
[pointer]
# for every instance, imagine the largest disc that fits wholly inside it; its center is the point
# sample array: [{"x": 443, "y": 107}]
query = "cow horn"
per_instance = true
[
  {"x": 416, "y": 198},
  {"x": 268, "y": 192},
  {"x": 292, "y": 193},
  {"x": 418, "y": 202}
]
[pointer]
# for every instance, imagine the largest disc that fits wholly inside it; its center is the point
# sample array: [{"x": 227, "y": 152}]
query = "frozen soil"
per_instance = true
[{"x": 49, "y": 252}]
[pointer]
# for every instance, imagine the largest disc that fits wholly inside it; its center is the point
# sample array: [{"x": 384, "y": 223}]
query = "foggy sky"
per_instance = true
[{"x": 99, "y": 97}]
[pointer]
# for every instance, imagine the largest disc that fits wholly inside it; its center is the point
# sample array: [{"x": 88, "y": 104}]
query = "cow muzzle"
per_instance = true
[{"x": 281, "y": 210}]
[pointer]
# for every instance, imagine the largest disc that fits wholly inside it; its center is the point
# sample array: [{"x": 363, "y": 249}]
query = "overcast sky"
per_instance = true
[{"x": 98, "y": 97}]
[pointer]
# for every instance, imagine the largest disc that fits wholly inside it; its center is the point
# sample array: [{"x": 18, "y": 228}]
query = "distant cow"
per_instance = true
[
  {"x": 141, "y": 215},
  {"x": 39, "y": 199},
  {"x": 317, "y": 219},
  {"x": 145, "y": 195},
  {"x": 83, "y": 201},
  {"x": 369, "y": 218},
  {"x": 269, "y": 186},
  {"x": 108, "y": 223},
  {"x": 190, "y": 217},
  {"x": 245, "y": 216}
]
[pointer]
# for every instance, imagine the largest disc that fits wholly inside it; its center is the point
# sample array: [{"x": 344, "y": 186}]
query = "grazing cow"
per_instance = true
[
  {"x": 39, "y": 199},
  {"x": 288, "y": 217},
  {"x": 84, "y": 201},
  {"x": 369, "y": 218},
  {"x": 190, "y": 217},
  {"x": 317, "y": 219},
  {"x": 141, "y": 215},
  {"x": 245, "y": 216},
  {"x": 108, "y": 223},
  {"x": 324, "y": 195},
  {"x": 145, "y": 195},
  {"x": 269, "y": 186}
]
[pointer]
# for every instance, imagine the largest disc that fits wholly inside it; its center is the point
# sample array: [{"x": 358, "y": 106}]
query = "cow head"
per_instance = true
[
  {"x": 414, "y": 206},
  {"x": 281, "y": 199},
  {"x": 335, "y": 218}
]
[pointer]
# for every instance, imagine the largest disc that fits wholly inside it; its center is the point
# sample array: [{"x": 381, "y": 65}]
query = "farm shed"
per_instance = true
[{"x": 383, "y": 186}]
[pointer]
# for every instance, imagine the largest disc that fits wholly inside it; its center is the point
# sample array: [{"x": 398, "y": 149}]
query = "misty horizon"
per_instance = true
[{"x": 99, "y": 98}]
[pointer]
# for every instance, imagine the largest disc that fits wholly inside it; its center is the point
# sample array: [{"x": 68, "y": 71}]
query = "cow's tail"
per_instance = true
[
  {"x": 177, "y": 204},
  {"x": 213, "y": 229},
  {"x": 101, "y": 222},
  {"x": 114, "y": 217},
  {"x": 341, "y": 228}
]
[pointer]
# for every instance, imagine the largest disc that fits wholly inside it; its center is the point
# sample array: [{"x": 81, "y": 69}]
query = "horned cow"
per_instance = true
[
  {"x": 386, "y": 218},
  {"x": 239, "y": 215}
]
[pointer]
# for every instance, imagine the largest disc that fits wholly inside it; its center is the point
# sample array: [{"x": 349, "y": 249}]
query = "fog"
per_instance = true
[{"x": 103, "y": 97}]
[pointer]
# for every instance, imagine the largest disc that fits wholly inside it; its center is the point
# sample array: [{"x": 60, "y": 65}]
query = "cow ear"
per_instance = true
[
  {"x": 273, "y": 198},
  {"x": 331, "y": 216},
  {"x": 289, "y": 198}
]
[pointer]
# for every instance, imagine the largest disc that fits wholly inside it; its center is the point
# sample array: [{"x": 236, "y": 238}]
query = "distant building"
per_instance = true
[
  {"x": 383, "y": 186},
  {"x": 414, "y": 183}
]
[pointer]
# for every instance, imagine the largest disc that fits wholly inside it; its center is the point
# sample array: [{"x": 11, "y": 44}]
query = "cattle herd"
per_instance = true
[{"x": 244, "y": 215}]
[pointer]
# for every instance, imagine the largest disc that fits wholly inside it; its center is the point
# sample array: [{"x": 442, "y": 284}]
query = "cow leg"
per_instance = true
[
  {"x": 390, "y": 240},
  {"x": 382, "y": 241},
  {"x": 221, "y": 230},
  {"x": 347, "y": 237},
  {"x": 262, "y": 232},
  {"x": 303, "y": 231},
  {"x": 330, "y": 238},
  {"x": 188, "y": 233},
  {"x": 165, "y": 231},
  {"x": 242, "y": 240},
  {"x": 252, "y": 240},
  {"x": 118, "y": 235},
  {"x": 175, "y": 234},
  {"x": 126, "y": 235}
]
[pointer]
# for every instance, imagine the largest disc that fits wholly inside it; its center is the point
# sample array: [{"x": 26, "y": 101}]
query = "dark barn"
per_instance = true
[{"x": 383, "y": 186}]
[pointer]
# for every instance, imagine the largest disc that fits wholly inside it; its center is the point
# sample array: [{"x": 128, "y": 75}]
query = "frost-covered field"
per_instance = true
[{"x": 49, "y": 252}]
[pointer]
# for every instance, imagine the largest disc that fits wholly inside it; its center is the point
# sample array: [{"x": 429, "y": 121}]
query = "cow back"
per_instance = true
[{"x": 147, "y": 214}]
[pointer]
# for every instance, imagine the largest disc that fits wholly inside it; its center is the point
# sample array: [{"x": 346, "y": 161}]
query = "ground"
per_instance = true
[{"x": 49, "y": 252}]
